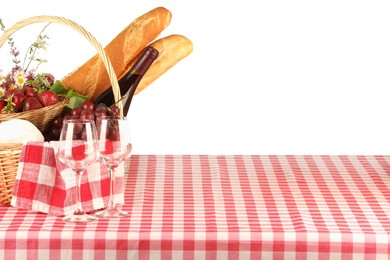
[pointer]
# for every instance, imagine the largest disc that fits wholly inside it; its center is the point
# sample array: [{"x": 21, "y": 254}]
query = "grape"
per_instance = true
[
  {"x": 88, "y": 111},
  {"x": 114, "y": 133},
  {"x": 101, "y": 107},
  {"x": 100, "y": 114},
  {"x": 66, "y": 117},
  {"x": 76, "y": 111},
  {"x": 109, "y": 112},
  {"x": 115, "y": 110},
  {"x": 78, "y": 127},
  {"x": 88, "y": 105},
  {"x": 57, "y": 122},
  {"x": 55, "y": 132},
  {"x": 87, "y": 114}
]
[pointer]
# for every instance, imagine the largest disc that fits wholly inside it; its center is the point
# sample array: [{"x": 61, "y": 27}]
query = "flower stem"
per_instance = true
[{"x": 34, "y": 47}]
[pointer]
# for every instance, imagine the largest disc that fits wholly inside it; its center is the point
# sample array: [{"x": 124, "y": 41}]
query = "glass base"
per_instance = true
[
  {"x": 79, "y": 218},
  {"x": 111, "y": 213}
]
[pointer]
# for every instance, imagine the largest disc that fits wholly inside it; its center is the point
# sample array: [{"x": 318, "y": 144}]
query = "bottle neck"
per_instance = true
[
  {"x": 131, "y": 79},
  {"x": 145, "y": 61}
]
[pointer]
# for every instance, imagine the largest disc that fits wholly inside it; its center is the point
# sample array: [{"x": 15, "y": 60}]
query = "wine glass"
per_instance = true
[
  {"x": 114, "y": 147},
  {"x": 77, "y": 149}
]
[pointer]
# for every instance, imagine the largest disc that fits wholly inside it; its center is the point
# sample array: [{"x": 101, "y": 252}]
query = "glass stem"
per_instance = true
[
  {"x": 111, "y": 203},
  {"x": 79, "y": 208}
]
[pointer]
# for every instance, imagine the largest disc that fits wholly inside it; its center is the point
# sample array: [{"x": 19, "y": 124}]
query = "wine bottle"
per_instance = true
[{"x": 129, "y": 82}]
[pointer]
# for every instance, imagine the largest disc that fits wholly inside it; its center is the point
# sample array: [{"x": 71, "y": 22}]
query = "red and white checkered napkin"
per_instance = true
[{"x": 45, "y": 184}]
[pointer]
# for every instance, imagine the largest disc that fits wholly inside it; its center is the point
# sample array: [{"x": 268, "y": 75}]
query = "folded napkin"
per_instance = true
[{"x": 45, "y": 184}]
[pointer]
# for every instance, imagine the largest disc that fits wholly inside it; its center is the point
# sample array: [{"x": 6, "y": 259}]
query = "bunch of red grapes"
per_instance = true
[{"x": 87, "y": 110}]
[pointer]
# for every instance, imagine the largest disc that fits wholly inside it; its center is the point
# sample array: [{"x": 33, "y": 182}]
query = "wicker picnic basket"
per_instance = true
[
  {"x": 39, "y": 117},
  {"x": 10, "y": 153}
]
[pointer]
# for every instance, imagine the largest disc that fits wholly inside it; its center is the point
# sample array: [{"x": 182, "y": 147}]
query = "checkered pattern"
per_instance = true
[
  {"x": 225, "y": 207},
  {"x": 44, "y": 184}
]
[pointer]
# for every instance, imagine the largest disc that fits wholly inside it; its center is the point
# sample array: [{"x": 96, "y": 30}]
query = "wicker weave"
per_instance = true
[
  {"x": 10, "y": 153},
  {"x": 41, "y": 117},
  {"x": 9, "y": 159}
]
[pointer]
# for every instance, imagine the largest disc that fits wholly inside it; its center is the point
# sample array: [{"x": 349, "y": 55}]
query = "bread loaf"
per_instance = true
[
  {"x": 91, "y": 79},
  {"x": 172, "y": 49}
]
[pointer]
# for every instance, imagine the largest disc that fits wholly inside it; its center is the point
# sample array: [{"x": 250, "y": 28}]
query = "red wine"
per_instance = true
[{"x": 129, "y": 82}]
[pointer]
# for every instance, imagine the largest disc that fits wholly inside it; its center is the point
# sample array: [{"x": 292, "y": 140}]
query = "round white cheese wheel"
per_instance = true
[{"x": 19, "y": 131}]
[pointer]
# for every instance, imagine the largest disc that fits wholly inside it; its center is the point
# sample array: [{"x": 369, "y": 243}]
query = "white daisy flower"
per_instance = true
[
  {"x": 2, "y": 91},
  {"x": 20, "y": 78}
]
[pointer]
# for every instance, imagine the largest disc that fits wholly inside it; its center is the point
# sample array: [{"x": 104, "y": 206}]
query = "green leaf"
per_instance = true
[
  {"x": 76, "y": 101},
  {"x": 58, "y": 88},
  {"x": 72, "y": 93}
]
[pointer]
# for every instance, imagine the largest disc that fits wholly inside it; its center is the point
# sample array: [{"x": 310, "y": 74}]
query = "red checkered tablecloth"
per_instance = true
[
  {"x": 44, "y": 184},
  {"x": 225, "y": 207}
]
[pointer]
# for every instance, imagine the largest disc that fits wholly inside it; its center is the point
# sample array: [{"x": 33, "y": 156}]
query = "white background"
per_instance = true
[{"x": 265, "y": 77}]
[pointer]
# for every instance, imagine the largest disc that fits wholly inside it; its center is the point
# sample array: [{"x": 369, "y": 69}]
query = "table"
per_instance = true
[{"x": 225, "y": 207}]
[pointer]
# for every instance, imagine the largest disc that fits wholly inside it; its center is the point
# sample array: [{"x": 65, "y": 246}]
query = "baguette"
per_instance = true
[
  {"x": 172, "y": 49},
  {"x": 91, "y": 79}
]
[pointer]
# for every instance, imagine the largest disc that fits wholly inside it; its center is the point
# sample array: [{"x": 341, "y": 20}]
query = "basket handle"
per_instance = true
[{"x": 61, "y": 20}]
